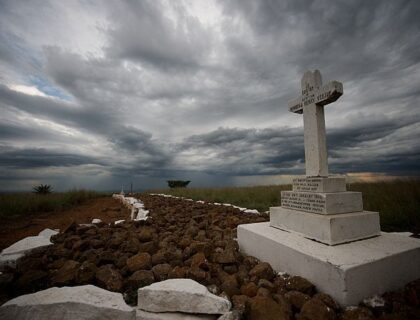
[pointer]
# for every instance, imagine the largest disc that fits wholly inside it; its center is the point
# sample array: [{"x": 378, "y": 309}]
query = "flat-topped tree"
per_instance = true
[{"x": 311, "y": 103}]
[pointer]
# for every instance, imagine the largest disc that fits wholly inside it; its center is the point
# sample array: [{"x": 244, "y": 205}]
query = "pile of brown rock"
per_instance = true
[{"x": 192, "y": 240}]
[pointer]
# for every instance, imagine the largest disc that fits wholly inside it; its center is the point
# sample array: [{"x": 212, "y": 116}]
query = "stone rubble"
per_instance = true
[{"x": 253, "y": 211}]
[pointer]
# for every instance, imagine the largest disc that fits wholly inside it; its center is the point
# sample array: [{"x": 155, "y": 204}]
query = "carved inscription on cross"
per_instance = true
[{"x": 311, "y": 103}]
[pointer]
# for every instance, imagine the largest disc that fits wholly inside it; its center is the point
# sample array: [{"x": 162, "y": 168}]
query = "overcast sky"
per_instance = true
[{"x": 96, "y": 94}]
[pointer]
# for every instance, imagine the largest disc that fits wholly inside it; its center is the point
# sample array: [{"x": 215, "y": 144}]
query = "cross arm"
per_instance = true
[
  {"x": 295, "y": 105},
  {"x": 323, "y": 96},
  {"x": 329, "y": 93}
]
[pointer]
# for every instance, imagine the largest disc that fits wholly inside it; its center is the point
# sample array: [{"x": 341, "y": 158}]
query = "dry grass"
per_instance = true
[{"x": 24, "y": 203}]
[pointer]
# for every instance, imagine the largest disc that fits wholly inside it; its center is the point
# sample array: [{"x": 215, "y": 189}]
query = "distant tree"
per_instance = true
[
  {"x": 178, "y": 183},
  {"x": 42, "y": 189}
]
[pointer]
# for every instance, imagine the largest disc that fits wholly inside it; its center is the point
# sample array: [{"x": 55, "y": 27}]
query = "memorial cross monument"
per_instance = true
[
  {"x": 318, "y": 204},
  {"x": 311, "y": 103},
  {"x": 321, "y": 231}
]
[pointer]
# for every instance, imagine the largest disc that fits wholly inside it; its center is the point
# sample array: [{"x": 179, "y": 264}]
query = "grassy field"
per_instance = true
[
  {"x": 24, "y": 203},
  {"x": 398, "y": 202}
]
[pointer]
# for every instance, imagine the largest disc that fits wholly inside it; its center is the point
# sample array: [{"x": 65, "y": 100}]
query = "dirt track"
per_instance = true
[{"x": 106, "y": 209}]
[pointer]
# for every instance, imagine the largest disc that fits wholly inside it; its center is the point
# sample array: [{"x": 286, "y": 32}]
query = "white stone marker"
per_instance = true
[
  {"x": 320, "y": 231},
  {"x": 311, "y": 103}
]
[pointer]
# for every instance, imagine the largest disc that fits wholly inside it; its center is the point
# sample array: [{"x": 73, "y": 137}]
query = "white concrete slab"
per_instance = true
[
  {"x": 322, "y": 203},
  {"x": 330, "y": 229},
  {"x": 348, "y": 272},
  {"x": 68, "y": 303}
]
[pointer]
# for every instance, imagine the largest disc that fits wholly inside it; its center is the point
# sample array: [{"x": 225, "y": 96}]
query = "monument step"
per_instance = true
[
  {"x": 319, "y": 184},
  {"x": 329, "y": 229},
  {"x": 322, "y": 203},
  {"x": 348, "y": 272}
]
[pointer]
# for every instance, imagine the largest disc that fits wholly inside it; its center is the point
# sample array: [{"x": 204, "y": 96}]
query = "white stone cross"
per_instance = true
[{"x": 311, "y": 103}]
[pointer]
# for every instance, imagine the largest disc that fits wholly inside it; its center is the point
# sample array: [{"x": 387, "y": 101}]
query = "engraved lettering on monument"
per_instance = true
[
  {"x": 310, "y": 202},
  {"x": 312, "y": 185},
  {"x": 311, "y": 103}
]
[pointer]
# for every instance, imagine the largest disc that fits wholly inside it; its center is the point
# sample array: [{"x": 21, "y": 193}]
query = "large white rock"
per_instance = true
[
  {"x": 142, "y": 214},
  {"x": 27, "y": 244},
  {"x": 144, "y": 315},
  {"x": 9, "y": 260},
  {"x": 130, "y": 200},
  {"x": 138, "y": 205},
  {"x": 181, "y": 295},
  {"x": 348, "y": 272},
  {"x": 68, "y": 303},
  {"x": 47, "y": 233}
]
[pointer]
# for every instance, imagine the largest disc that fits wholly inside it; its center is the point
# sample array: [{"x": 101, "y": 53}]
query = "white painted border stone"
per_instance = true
[{"x": 348, "y": 272}]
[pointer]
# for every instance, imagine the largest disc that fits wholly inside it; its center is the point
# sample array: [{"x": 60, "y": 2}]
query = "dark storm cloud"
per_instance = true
[
  {"x": 163, "y": 77},
  {"x": 351, "y": 38},
  {"x": 125, "y": 140},
  {"x": 280, "y": 151},
  {"x": 248, "y": 151},
  {"x": 36, "y": 158},
  {"x": 144, "y": 33}
]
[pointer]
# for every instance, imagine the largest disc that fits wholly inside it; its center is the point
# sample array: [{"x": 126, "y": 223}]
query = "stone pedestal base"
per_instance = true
[
  {"x": 348, "y": 272},
  {"x": 330, "y": 229},
  {"x": 322, "y": 203}
]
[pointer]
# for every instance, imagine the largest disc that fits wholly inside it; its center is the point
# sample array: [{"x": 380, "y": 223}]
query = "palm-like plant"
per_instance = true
[
  {"x": 42, "y": 189},
  {"x": 178, "y": 183}
]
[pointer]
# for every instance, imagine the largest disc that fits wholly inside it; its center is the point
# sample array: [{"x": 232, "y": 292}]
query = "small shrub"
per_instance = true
[{"x": 42, "y": 189}]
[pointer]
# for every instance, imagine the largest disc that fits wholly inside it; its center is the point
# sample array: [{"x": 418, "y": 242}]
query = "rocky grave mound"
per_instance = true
[{"x": 183, "y": 239}]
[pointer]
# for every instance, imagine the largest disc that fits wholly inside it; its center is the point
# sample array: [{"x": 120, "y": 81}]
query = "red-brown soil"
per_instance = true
[{"x": 13, "y": 229}]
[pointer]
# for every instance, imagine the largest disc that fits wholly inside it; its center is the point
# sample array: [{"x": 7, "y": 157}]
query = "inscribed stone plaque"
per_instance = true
[
  {"x": 322, "y": 203},
  {"x": 303, "y": 201},
  {"x": 319, "y": 184}
]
